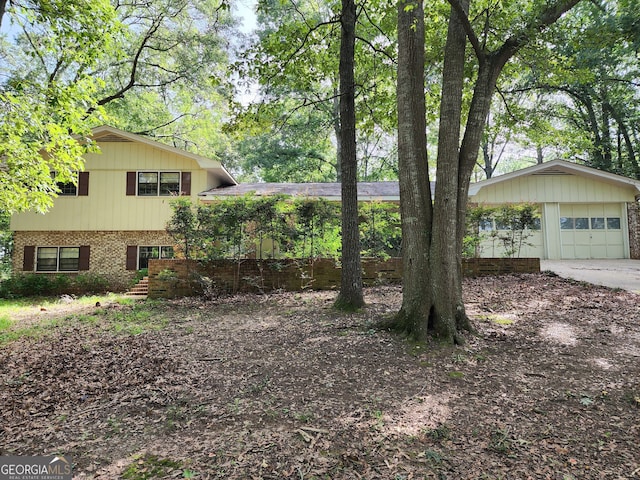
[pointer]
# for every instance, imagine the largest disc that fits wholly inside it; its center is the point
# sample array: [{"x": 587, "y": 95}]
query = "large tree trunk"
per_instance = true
[
  {"x": 337, "y": 130},
  {"x": 445, "y": 261},
  {"x": 3, "y": 6},
  {"x": 413, "y": 172},
  {"x": 350, "y": 296},
  {"x": 490, "y": 68},
  {"x": 432, "y": 238}
]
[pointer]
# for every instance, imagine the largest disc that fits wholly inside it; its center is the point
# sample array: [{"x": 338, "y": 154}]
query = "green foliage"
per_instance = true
[
  {"x": 316, "y": 228},
  {"x": 290, "y": 131},
  {"x": 177, "y": 53},
  {"x": 573, "y": 92},
  {"x": 32, "y": 284},
  {"x": 277, "y": 227},
  {"x": 6, "y": 245},
  {"x": 510, "y": 225},
  {"x": 380, "y": 233},
  {"x": 47, "y": 94},
  {"x": 182, "y": 225}
]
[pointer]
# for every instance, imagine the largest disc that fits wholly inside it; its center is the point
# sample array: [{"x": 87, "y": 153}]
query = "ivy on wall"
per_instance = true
[{"x": 286, "y": 227}]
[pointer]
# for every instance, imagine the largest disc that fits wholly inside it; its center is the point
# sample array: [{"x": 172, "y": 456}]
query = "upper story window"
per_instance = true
[
  {"x": 68, "y": 189},
  {"x": 72, "y": 189},
  {"x": 158, "y": 183}
]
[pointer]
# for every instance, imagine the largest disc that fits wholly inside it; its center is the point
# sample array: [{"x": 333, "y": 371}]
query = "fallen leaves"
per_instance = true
[{"x": 283, "y": 386}]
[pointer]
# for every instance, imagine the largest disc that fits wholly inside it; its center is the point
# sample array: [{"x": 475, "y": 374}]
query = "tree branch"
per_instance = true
[
  {"x": 158, "y": 127},
  {"x": 457, "y": 7},
  {"x": 547, "y": 17},
  {"x": 134, "y": 66},
  {"x": 376, "y": 49}
]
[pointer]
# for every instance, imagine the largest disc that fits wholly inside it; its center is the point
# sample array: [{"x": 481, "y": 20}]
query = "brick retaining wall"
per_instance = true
[{"x": 176, "y": 278}]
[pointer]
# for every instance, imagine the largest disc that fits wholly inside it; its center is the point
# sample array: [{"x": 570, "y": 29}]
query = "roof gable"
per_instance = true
[
  {"x": 558, "y": 168},
  {"x": 110, "y": 134}
]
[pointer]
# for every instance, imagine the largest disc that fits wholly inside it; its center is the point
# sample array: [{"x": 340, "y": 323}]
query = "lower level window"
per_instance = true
[
  {"x": 146, "y": 253},
  {"x": 58, "y": 259}
]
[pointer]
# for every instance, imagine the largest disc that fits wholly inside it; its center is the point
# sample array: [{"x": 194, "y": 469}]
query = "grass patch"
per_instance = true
[
  {"x": 12, "y": 334},
  {"x": 497, "y": 319},
  {"x": 23, "y": 318},
  {"x": 136, "y": 319},
  {"x": 152, "y": 466},
  {"x": 5, "y": 323}
]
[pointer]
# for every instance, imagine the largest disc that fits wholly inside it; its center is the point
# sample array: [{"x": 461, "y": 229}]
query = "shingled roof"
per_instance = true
[{"x": 388, "y": 191}]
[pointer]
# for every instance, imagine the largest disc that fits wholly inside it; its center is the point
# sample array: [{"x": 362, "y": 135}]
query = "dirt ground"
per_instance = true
[{"x": 284, "y": 387}]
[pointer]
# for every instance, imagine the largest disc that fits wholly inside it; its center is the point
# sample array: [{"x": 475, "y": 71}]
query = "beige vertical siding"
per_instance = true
[
  {"x": 107, "y": 207},
  {"x": 553, "y": 188}
]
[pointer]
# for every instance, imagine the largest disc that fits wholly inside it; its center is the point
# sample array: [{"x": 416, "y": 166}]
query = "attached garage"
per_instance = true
[
  {"x": 585, "y": 213},
  {"x": 593, "y": 231}
]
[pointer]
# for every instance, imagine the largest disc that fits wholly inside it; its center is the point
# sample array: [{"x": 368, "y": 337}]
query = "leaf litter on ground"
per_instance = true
[{"x": 284, "y": 386}]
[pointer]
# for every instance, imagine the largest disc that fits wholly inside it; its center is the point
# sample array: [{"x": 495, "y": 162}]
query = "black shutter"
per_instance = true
[
  {"x": 132, "y": 257},
  {"x": 131, "y": 183},
  {"x": 29, "y": 258},
  {"x": 83, "y": 261},
  {"x": 186, "y": 183},
  {"x": 83, "y": 184}
]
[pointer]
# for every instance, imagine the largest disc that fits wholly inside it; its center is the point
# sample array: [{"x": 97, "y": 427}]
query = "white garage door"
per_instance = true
[{"x": 592, "y": 231}]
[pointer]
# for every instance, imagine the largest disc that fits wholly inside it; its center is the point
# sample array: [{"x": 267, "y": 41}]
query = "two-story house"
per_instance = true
[{"x": 113, "y": 221}]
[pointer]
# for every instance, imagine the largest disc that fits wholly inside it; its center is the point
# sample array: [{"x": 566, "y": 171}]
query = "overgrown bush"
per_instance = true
[
  {"x": 6, "y": 245},
  {"x": 260, "y": 227},
  {"x": 33, "y": 285},
  {"x": 510, "y": 226},
  {"x": 284, "y": 227},
  {"x": 380, "y": 230}
]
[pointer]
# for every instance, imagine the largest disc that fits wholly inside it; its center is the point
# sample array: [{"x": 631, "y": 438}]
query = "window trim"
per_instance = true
[
  {"x": 159, "y": 183},
  {"x": 58, "y": 250},
  {"x": 160, "y": 250},
  {"x": 131, "y": 188}
]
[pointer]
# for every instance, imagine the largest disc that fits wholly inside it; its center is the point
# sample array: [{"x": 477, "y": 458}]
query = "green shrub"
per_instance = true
[
  {"x": 36, "y": 285},
  {"x": 89, "y": 283}
]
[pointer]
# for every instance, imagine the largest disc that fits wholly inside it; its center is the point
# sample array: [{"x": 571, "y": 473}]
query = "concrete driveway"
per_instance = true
[{"x": 623, "y": 274}]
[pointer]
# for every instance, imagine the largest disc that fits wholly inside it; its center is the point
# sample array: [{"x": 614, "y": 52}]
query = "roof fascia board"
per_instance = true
[
  {"x": 203, "y": 162},
  {"x": 573, "y": 167}
]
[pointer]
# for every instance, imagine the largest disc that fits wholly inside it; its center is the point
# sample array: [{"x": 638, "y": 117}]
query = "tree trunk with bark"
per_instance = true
[
  {"x": 350, "y": 296},
  {"x": 3, "y": 7},
  {"x": 336, "y": 131},
  {"x": 445, "y": 259},
  {"x": 413, "y": 172},
  {"x": 432, "y": 236}
]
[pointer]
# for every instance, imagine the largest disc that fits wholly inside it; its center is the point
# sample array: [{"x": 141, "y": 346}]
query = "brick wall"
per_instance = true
[
  {"x": 633, "y": 214},
  {"x": 175, "y": 278},
  {"x": 108, "y": 250}
]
